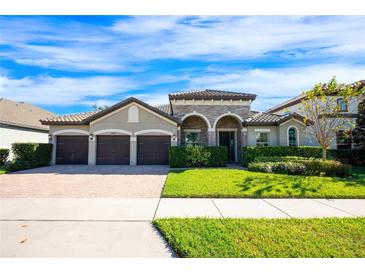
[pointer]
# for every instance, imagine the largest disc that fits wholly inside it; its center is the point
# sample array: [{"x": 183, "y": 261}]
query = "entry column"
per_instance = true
[
  {"x": 133, "y": 151},
  {"x": 92, "y": 150}
]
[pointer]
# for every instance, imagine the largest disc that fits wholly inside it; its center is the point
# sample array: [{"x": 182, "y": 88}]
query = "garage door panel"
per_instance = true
[
  {"x": 153, "y": 150},
  {"x": 113, "y": 150},
  {"x": 72, "y": 150}
]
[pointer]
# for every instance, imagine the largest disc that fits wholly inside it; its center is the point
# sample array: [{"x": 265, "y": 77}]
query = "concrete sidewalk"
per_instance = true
[
  {"x": 260, "y": 208},
  {"x": 147, "y": 209},
  {"x": 121, "y": 227}
]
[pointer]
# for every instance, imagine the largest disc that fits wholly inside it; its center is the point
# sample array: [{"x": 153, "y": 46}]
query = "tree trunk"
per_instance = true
[{"x": 324, "y": 153}]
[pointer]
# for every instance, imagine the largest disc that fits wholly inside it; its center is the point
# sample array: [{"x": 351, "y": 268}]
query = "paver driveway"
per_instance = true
[
  {"x": 85, "y": 182},
  {"x": 81, "y": 211}
]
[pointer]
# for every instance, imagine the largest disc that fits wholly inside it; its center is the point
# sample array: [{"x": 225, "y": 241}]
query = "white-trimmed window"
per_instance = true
[
  {"x": 292, "y": 137},
  {"x": 342, "y": 105},
  {"x": 192, "y": 136},
  {"x": 262, "y": 139}
]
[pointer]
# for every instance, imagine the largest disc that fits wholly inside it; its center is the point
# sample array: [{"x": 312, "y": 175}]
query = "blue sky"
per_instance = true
[{"x": 66, "y": 64}]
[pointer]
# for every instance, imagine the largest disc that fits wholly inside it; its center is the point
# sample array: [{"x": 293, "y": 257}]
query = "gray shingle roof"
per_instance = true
[
  {"x": 209, "y": 94},
  {"x": 22, "y": 114}
]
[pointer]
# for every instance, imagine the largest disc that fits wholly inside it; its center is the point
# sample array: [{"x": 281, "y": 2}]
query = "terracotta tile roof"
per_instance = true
[
  {"x": 164, "y": 108},
  {"x": 22, "y": 114},
  {"x": 209, "y": 94},
  {"x": 76, "y": 118},
  {"x": 269, "y": 119}
]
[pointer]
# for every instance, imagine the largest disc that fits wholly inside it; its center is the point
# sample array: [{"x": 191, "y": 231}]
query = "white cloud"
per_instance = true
[
  {"x": 282, "y": 83},
  {"x": 73, "y": 46},
  {"x": 61, "y": 91}
]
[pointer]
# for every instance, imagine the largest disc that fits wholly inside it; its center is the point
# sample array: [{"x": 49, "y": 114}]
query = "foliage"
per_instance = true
[
  {"x": 359, "y": 131},
  {"x": 235, "y": 183},
  {"x": 354, "y": 157},
  {"x": 271, "y": 238},
  {"x": 281, "y": 159},
  {"x": 323, "y": 113},
  {"x": 249, "y": 154},
  {"x": 4, "y": 154},
  {"x": 307, "y": 167},
  {"x": 197, "y": 156},
  {"x": 30, "y": 155}
]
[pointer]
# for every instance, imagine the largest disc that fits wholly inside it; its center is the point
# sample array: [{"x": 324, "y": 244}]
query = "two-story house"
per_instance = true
[
  {"x": 349, "y": 113},
  {"x": 133, "y": 132}
]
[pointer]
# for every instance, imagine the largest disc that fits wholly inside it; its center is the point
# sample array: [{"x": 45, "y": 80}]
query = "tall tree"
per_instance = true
[
  {"x": 322, "y": 110},
  {"x": 359, "y": 131}
]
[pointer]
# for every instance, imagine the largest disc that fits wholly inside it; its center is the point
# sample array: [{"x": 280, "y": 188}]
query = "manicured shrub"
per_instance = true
[
  {"x": 184, "y": 156},
  {"x": 309, "y": 167},
  {"x": 281, "y": 159},
  {"x": 30, "y": 155},
  {"x": 178, "y": 157},
  {"x": 197, "y": 156},
  {"x": 250, "y": 153},
  {"x": 4, "y": 154},
  {"x": 354, "y": 157},
  {"x": 218, "y": 156}
]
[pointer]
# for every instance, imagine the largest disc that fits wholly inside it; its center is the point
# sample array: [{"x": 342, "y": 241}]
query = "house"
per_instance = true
[
  {"x": 349, "y": 112},
  {"x": 19, "y": 122},
  {"x": 132, "y": 132}
]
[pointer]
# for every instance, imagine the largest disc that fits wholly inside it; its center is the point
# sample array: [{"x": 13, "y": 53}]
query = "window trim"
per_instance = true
[
  {"x": 287, "y": 135},
  {"x": 263, "y": 143},
  {"x": 192, "y": 130},
  {"x": 343, "y": 102}
]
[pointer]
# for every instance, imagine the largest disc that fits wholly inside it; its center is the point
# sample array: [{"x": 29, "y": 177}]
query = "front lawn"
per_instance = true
[
  {"x": 270, "y": 238},
  {"x": 220, "y": 182}
]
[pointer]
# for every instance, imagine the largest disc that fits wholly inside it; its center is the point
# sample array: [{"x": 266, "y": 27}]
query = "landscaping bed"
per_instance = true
[
  {"x": 265, "y": 238},
  {"x": 236, "y": 183}
]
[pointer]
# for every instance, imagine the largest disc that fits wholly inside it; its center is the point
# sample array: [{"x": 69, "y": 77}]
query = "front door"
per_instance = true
[{"x": 227, "y": 139}]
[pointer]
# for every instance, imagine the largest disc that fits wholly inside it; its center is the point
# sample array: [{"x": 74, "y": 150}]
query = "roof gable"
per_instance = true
[{"x": 88, "y": 117}]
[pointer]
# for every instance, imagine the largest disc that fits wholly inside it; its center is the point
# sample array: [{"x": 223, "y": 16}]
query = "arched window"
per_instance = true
[{"x": 292, "y": 137}]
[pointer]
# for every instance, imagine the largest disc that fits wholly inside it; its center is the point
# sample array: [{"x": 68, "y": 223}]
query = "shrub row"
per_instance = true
[
  {"x": 354, "y": 157},
  {"x": 197, "y": 156},
  {"x": 4, "y": 154},
  {"x": 265, "y": 159},
  {"x": 250, "y": 153},
  {"x": 30, "y": 155},
  {"x": 308, "y": 167}
]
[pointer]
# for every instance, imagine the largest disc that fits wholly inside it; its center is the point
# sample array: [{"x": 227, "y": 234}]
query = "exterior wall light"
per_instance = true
[{"x": 91, "y": 137}]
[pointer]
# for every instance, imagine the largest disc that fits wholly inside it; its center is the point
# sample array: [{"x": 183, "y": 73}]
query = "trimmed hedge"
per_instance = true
[
  {"x": 265, "y": 159},
  {"x": 178, "y": 156},
  {"x": 354, "y": 157},
  {"x": 30, "y": 155},
  {"x": 4, "y": 154},
  {"x": 250, "y": 153},
  {"x": 309, "y": 167}
]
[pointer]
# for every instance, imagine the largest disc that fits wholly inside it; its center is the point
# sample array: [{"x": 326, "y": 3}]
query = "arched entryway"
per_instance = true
[
  {"x": 194, "y": 130},
  {"x": 228, "y": 133}
]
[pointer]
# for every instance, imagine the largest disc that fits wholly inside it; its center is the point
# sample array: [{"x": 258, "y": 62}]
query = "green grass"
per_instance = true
[
  {"x": 243, "y": 184},
  {"x": 3, "y": 170},
  {"x": 270, "y": 238}
]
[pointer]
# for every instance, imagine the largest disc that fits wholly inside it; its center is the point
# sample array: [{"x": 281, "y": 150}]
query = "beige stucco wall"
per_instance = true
[
  {"x": 119, "y": 120},
  {"x": 283, "y": 132},
  {"x": 274, "y": 135},
  {"x": 10, "y": 135}
]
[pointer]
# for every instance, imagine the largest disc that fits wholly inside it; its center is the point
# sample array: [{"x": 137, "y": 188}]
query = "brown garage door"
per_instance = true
[
  {"x": 153, "y": 150},
  {"x": 72, "y": 150},
  {"x": 113, "y": 150}
]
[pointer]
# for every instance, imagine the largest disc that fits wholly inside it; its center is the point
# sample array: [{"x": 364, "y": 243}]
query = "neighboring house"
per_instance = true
[
  {"x": 19, "y": 122},
  {"x": 133, "y": 132},
  {"x": 349, "y": 113}
]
